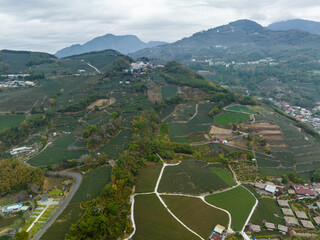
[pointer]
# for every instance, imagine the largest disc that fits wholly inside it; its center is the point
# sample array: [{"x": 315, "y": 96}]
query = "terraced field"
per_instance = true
[
  {"x": 11, "y": 120},
  {"x": 240, "y": 108},
  {"x": 168, "y": 91},
  {"x": 227, "y": 118}
]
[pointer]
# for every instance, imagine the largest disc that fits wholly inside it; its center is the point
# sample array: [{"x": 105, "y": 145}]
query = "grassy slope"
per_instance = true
[
  {"x": 237, "y": 201},
  {"x": 154, "y": 222},
  {"x": 197, "y": 215},
  {"x": 147, "y": 179}
]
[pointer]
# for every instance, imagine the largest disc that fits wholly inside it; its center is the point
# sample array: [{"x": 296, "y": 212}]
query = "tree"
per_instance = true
[
  {"x": 316, "y": 176},
  {"x": 52, "y": 101},
  {"x": 250, "y": 156}
]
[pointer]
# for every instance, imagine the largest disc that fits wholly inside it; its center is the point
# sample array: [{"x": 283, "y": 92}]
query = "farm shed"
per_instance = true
[
  {"x": 307, "y": 224},
  {"x": 219, "y": 229},
  {"x": 254, "y": 228},
  {"x": 283, "y": 203},
  {"x": 282, "y": 229},
  {"x": 270, "y": 189},
  {"x": 287, "y": 211},
  {"x": 301, "y": 215},
  {"x": 270, "y": 226},
  {"x": 317, "y": 220},
  {"x": 290, "y": 221}
]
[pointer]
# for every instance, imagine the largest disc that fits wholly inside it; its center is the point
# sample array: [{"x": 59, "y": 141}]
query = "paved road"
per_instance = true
[{"x": 78, "y": 178}]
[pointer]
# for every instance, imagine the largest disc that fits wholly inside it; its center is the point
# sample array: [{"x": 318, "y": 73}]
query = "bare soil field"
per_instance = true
[
  {"x": 268, "y": 131},
  {"x": 154, "y": 96},
  {"x": 220, "y": 133},
  {"x": 101, "y": 103},
  {"x": 194, "y": 93}
]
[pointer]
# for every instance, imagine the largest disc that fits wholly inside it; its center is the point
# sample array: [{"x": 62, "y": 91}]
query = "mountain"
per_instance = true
[
  {"x": 17, "y": 61},
  {"x": 124, "y": 44},
  {"x": 298, "y": 24},
  {"x": 242, "y": 39}
]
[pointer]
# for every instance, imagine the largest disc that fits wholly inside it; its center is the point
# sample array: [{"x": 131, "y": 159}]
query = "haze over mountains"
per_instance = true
[
  {"x": 298, "y": 24},
  {"x": 124, "y": 44},
  {"x": 243, "y": 38}
]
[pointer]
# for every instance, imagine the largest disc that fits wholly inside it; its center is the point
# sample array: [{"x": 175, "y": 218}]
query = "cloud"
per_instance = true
[{"x": 49, "y": 25}]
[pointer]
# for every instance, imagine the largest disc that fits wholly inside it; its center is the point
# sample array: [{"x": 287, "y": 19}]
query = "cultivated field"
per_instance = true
[
  {"x": 7, "y": 121},
  {"x": 168, "y": 91},
  {"x": 191, "y": 177},
  {"x": 197, "y": 215},
  {"x": 154, "y": 222},
  {"x": 147, "y": 179},
  {"x": 237, "y": 201},
  {"x": 227, "y": 118},
  {"x": 266, "y": 211},
  {"x": 183, "y": 113},
  {"x": 239, "y": 108}
]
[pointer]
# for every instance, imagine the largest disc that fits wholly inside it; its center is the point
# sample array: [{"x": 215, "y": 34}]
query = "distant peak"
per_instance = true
[{"x": 246, "y": 24}]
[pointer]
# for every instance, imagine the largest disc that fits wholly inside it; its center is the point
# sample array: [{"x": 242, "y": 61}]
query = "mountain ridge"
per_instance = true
[
  {"x": 312, "y": 27},
  {"x": 122, "y": 43}
]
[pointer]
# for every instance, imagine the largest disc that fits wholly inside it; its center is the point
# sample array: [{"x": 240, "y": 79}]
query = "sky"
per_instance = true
[{"x": 49, "y": 25}]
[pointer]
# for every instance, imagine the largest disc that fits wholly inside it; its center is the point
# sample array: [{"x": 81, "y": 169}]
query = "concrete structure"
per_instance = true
[
  {"x": 287, "y": 211},
  {"x": 317, "y": 220},
  {"x": 17, "y": 151},
  {"x": 301, "y": 215},
  {"x": 283, "y": 203},
  {"x": 318, "y": 204},
  {"x": 307, "y": 224},
  {"x": 260, "y": 185},
  {"x": 282, "y": 229},
  {"x": 291, "y": 221},
  {"x": 12, "y": 208},
  {"x": 254, "y": 228},
  {"x": 291, "y": 191},
  {"x": 270, "y": 226}
]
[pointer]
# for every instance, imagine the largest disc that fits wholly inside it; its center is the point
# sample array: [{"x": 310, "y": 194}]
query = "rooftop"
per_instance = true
[
  {"x": 219, "y": 229},
  {"x": 270, "y": 225},
  {"x": 317, "y": 220},
  {"x": 287, "y": 211},
  {"x": 304, "y": 190},
  {"x": 300, "y": 214},
  {"x": 255, "y": 228},
  {"x": 282, "y": 228},
  {"x": 307, "y": 224},
  {"x": 283, "y": 203},
  {"x": 291, "y": 220}
]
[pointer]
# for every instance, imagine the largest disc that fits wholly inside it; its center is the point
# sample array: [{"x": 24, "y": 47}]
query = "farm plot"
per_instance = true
[
  {"x": 266, "y": 211},
  {"x": 239, "y": 108},
  {"x": 168, "y": 91},
  {"x": 224, "y": 174},
  {"x": 199, "y": 123},
  {"x": 269, "y": 131},
  {"x": 178, "y": 129},
  {"x": 117, "y": 144},
  {"x": 220, "y": 133},
  {"x": 52, "y": 156},
  {"x": 93, "y": 182},
  {"x": 147, "y": 179},
  {"x": 183, "y": 113},
  {"x": 276, "y": 172},
  {"x": 154, "y": 222},
  {"x": 227, "y": 118},
  {"x": 237, "y": 201},
  {"x": 197, "y": 215},
  {"x": 266, "y": 161},
  {"x": 205, "y": 108},
  {"x": 7, "y": 121},
  {"x": 167, "y": 111},
  {"x": 64, "y": 141},
  {"x": 191, "y": 177}
]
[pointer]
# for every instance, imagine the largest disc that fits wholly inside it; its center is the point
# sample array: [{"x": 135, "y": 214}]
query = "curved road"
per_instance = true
[{"x": 78, "y": 179}]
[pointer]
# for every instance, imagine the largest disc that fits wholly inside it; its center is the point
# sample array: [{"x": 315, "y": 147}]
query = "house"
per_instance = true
[
  {"x": 215, "y": 236},
  {"x": 12, "y": 208},
  {"x": 283, "y": 203},
  {"x": 317, "y": 220},
  {"x": 301, "y": 215},
  {"x": 25, "y": 208},
  {"x": 307, "y": 224},
  {"x": 304, "y": 191},
  {"x": 287, "y": 212},
  {"x": 316, "y": 187},
  {"x": 282, "y": 229},
  {"x": 17, "y": 151},
  {"x": 254, "y": 228},
  {"x": 270, "y": 226},
  {"x": 291, "y": 221},
  {"x": 219, "y": 229}
]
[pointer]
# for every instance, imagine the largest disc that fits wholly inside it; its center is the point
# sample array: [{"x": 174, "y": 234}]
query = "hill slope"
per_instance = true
[
  {"x": 124, "y": 44},
  {"x": 18, "y": 61},
  {"x": 298, "y": 24}
]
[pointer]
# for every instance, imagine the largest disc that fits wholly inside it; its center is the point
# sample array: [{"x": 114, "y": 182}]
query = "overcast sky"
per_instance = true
[{"x": 49, "y": 25}]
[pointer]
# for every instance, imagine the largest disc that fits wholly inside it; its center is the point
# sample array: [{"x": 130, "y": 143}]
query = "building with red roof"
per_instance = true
[{"x": 304, "y": 190}]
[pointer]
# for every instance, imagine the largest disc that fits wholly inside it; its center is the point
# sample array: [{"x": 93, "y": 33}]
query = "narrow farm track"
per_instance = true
[{"x": 96, "y": 69}]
